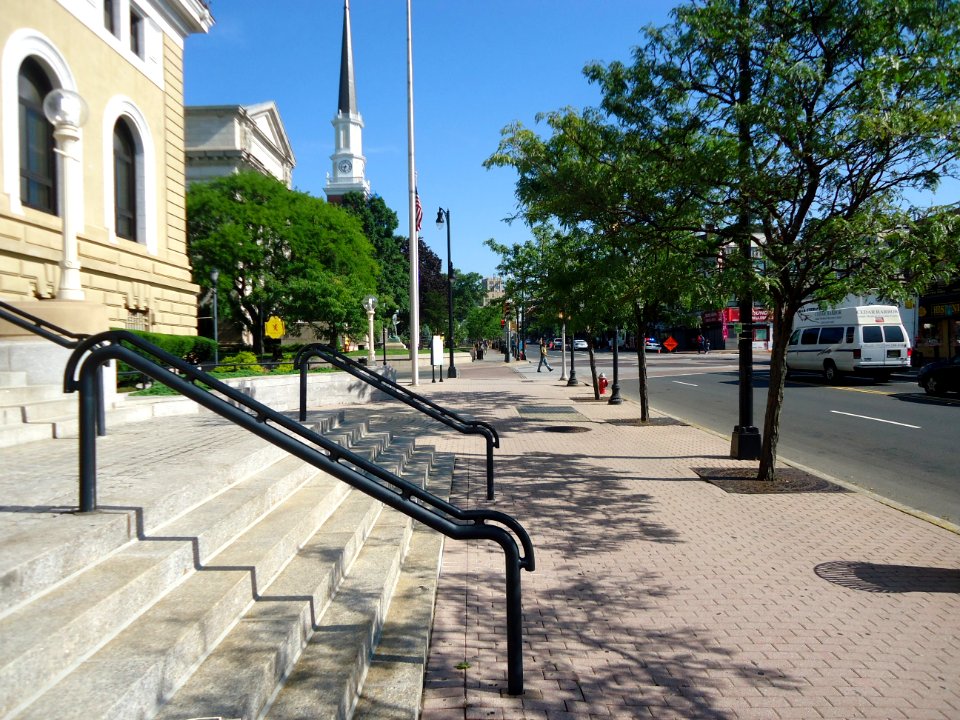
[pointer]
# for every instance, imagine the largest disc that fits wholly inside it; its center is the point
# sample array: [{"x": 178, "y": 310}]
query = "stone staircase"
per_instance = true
[
  {"x": 30, "y": 412},
  {"x": 222, "y": 578}
]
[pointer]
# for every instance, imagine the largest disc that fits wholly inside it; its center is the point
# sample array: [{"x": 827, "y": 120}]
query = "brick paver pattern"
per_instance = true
[{"x": 658, "y": 595}]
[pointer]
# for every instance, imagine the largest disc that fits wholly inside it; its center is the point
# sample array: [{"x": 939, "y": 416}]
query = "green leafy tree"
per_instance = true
[
  {"x": 379, "y": 225},
  {"x": 433, "y": 289},
  {"x": 279, "y": 252},
  {"x": 631, "y": 250},
  {"x": 468, "y": 293},
  {"x": 483, "y": 322},
  {"x": 811, "y": 120}
]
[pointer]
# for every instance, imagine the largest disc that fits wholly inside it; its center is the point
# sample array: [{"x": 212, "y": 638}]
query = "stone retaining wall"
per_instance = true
[{"x": 282, "y": 392}]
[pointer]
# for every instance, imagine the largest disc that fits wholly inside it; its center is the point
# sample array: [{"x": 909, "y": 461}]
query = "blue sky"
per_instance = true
[{"x": 478, "y": 65}]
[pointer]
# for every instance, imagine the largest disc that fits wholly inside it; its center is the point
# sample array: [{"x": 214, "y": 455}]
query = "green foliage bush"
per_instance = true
[
  {"x": 192, "y": 348},
  {"x": 242, "y": 361}
]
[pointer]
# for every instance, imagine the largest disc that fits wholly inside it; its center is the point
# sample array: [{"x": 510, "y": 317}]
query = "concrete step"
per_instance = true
[
  {"x": 13, "y": 435},
  {"x": 11, "y": 415},
  {"x": 254, "y": 586},
  {"x": 64, "y": 406},
  {"x": 221, "y": 597},
  {"x": 329, "y": 672},
  {"x": 58, "y": 415},
  {"x": 297, "y": 621},
  {"x": 142, "y": 666},
  {"x": 47, "y": 543},
  {"x": 393, "y": 688},
  {"x": 23, "y": 394},
  {"x": 100, "y": 602},
  {"x": 241, "y": 676},
  {"x": 12, "y": 378}
]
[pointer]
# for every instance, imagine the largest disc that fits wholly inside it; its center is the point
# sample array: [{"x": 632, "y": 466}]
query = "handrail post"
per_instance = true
[
  {"x": 514, "y": 624},
  {"x": 303, "y": 389},
  {"x": 87, "y": 412},
  {"x": 489, "y": 467},
  {"x": 101, "y": 408}
]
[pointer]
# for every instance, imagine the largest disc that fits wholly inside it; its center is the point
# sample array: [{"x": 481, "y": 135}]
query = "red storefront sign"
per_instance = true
[{"x": 732, "y": 315}]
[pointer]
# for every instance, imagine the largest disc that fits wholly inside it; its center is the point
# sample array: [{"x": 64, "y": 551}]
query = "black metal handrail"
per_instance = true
[
  {"x": 59, "y": 336},
  {"x": 309, "y": 446},
  {"x": 401, "y": 393}
]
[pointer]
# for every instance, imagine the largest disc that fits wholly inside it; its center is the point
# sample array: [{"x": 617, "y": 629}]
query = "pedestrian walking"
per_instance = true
[{"x": 543, "y": 356}]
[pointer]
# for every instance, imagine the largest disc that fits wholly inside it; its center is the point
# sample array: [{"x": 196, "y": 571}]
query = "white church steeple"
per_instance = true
[{"x": 349, "y": 164}]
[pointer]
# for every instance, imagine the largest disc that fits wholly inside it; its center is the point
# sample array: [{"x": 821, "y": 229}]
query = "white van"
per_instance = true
[{"x": 866, "y": 340}]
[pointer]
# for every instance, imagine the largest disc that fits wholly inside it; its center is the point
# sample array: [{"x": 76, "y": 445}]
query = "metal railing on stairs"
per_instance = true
[
  {"x": 401, "y": 393},
  {"x": 92, "y": 352},
  {"x": 59, "y": 336}
]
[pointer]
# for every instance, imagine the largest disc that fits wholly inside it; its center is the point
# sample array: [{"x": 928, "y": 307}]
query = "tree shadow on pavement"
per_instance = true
[
  {"x": 602, "y": 628},
  {"x": 882, "y": 578}
]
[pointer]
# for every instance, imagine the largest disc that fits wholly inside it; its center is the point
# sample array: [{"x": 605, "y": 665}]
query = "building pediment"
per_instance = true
[
  {"x": 266, "y": 118},
  {"x": 243, "y": 136}
]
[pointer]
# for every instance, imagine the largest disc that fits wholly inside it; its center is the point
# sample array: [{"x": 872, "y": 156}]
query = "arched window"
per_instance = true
[
  {"x": 38, "y": 165},
  {"x": 125, "y": 181}
]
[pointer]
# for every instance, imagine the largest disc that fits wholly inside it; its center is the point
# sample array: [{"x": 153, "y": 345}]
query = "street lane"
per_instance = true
[{"x": 890, "y": 438}]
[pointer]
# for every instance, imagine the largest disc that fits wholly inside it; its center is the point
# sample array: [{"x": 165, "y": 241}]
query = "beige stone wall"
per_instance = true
[{"x": 118, "y": 273}]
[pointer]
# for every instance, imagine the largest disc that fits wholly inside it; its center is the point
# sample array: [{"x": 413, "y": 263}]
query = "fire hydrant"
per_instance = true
[{"x": 602, "y": 383}]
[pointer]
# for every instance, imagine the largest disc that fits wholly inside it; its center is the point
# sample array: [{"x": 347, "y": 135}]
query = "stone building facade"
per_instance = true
[
  {"x": 125, "y": 59},
  {"x": 225, "y": 139}
]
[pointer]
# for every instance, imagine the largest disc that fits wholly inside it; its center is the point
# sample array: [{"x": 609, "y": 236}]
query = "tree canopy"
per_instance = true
[
  {"x": 794, "y": 129},
  {"x": 279, "y": 251},
  {"x": 379, "y": 225}
]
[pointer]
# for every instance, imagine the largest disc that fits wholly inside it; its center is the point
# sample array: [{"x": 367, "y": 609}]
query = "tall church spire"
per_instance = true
[
  {"x": 348, "y": 161},
  {"x": 348, "y": 91}
]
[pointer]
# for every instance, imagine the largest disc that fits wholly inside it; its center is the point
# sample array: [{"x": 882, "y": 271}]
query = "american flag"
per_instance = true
[{"x": 416, "y": 193}]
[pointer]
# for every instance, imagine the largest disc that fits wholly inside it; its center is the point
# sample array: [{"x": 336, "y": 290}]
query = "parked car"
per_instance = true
[
  {"x": 579, "y": 344},
  {"x": 651, "y": 345},
  {"x": 939, "y": 377},
  {"x": 556, "y": 344}
]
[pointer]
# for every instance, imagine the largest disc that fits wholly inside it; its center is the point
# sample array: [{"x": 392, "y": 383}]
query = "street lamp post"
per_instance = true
[
  {"x": 573, "y": 373},
  {"x": 370, "y": 305},
  {"x": 615, "y": 398},
  {"x": 441, "y": 213},
  {"x": 214, "y": 277},
  {"x": 745, "y": 441},
  {"x": 563, "y": 348},
  {"x": 67, "y": 112}
]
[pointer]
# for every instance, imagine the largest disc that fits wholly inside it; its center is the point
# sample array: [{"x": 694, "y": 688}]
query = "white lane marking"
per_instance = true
[
  {"x": 683, "y": 383},
  {"x": 867, "y": 417}
]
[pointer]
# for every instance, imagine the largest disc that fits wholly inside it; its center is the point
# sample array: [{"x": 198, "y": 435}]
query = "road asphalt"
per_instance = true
[{"x": 657, "y": 594}]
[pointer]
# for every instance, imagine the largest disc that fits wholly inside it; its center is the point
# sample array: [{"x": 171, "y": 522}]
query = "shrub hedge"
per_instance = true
[{"x": 191, "y": 348}]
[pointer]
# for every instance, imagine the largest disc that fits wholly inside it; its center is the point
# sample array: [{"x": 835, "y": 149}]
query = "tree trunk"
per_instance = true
[
  {"x": 782, "y": 327},
  {"x": 593, "y": 368},
  {"x": 642, "y": 363},
  {"x": 252, "y": 320}
]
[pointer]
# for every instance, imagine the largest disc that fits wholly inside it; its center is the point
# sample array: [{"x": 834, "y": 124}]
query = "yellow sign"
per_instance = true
[{"x": 274, "y": 328}]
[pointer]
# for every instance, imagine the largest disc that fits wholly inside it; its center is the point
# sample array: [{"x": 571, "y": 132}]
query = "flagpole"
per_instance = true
[{"x": 414, "y": 239}]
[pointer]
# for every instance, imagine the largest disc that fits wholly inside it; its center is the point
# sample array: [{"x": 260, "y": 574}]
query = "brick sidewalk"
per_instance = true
[{"x": 657, "y": 595}]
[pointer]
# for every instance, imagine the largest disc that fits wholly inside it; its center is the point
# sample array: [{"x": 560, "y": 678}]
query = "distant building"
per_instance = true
[
  {"x": 125, "y": 166},
  {"x": 493, "y": 289},
  {"x": 226, "y": 139},
  {"x": 349, "y": 164}
]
